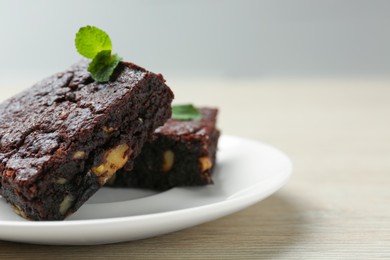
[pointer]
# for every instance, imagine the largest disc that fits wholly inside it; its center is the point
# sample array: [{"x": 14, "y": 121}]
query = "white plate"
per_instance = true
[{"x": 247, "y": 172}]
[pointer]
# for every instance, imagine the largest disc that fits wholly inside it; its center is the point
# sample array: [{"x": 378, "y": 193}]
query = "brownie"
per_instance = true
[
  {"x": 182, "y": 153},
  {"x": 63, "y": 138}
]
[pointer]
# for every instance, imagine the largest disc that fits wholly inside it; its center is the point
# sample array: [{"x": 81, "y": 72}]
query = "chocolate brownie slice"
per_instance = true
[
  {"x": 62, "y": 139},
  {"x": 182, "y": 154}
]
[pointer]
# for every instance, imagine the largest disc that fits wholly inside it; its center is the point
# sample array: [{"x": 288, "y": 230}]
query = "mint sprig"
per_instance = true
[
  {"x": 103, "y": 65},
  {"x": 93, "y": 43},
  {"x": 185, "y": 112}
]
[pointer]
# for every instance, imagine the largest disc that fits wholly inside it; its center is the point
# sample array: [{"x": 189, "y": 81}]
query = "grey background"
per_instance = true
[{"x": 200, "y": 39}]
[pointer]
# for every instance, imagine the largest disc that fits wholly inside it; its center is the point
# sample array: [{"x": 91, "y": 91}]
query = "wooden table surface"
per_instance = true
[{"x": 336, "y": 204}]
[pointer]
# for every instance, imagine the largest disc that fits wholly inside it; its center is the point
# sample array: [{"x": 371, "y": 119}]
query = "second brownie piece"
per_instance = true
[
  {"x": 62, "y": 139},
  {"x": 182, "y": 154}
]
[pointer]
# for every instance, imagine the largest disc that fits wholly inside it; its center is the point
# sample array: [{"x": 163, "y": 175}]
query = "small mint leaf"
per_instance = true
[
  {"x": 185, "y": 112},
  {"x": 103, "y": 65},
  {"x": 90, "y": 41}
]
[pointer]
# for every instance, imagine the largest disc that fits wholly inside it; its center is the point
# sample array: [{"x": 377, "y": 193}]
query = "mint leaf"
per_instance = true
[
  {"x": 103, "y": 65},
  {"x": 90, "y": 41},
  {"x": 185, "y": 112},
  {"x": 95, "y": 44}
]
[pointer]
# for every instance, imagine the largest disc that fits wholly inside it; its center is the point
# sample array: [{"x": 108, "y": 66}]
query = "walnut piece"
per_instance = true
[
  {"x": 19, "y": 211},
  {"x": 109, "y": 130},
  {"x": 79, "y": 155},
  {"x": 66, "y": 204},
  {"x": 61, "y": 181},
  {"x": 114, "y": 159},
  {"x": 168, "y": 160},
  {"x": 205, "y": 163}
]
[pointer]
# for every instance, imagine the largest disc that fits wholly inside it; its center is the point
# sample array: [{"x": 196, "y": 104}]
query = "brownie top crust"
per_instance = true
[
  {"x": 42, "y": 123},
  {"x": 190, "y": 128}
]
